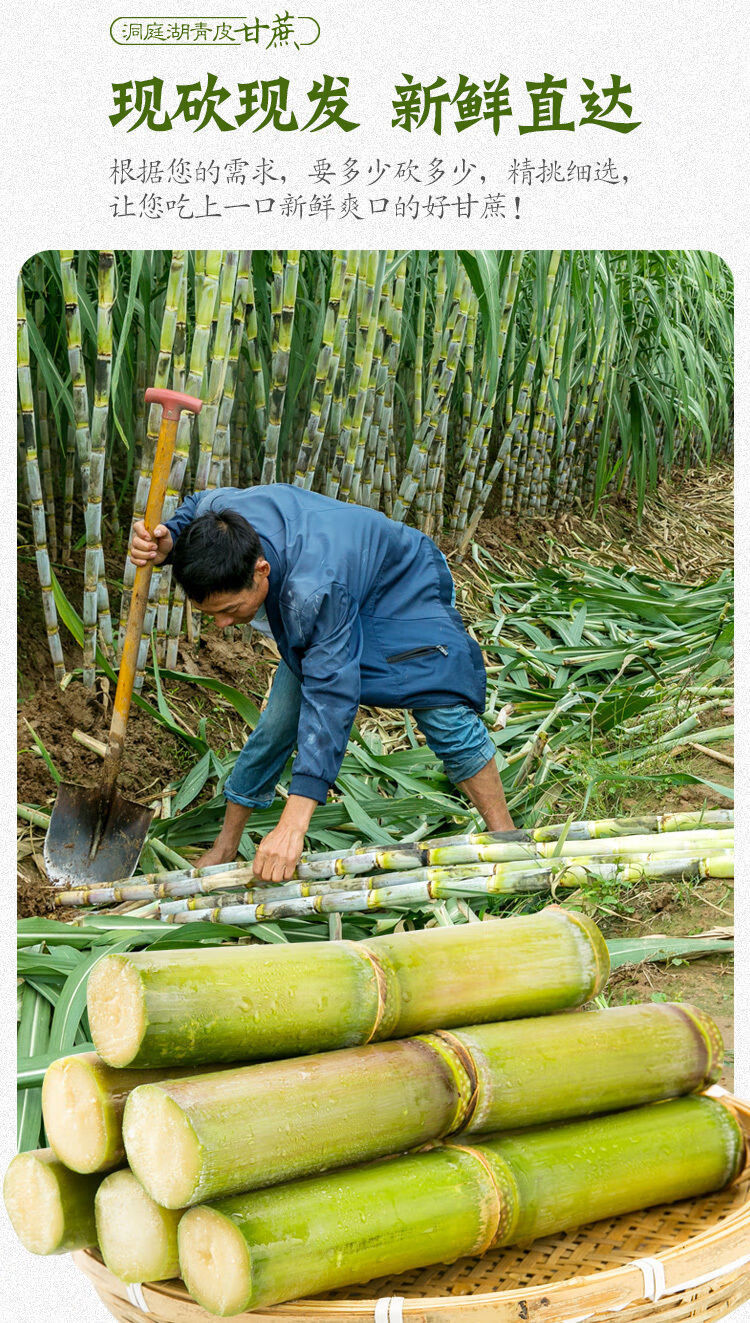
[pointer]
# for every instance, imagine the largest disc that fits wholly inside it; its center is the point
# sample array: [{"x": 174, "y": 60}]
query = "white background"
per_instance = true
[{"x": 686, "y": 165}]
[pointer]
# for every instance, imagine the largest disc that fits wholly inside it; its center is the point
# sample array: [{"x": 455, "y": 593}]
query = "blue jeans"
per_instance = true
[{"x": 455, "y": 734}]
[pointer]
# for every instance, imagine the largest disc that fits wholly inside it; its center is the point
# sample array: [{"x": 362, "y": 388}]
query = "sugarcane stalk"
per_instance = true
[
  {"x": 167, "y": 337},
  {"x": 137, "y": 1239},
  {"x": 385, "y": 464},
  {"x": 45, "y": 450},
  {"x": 348, "y": 453},
  {"x": 476, "y": 456},
  {"x": 284, "y": 294},
  {"x": 50, "y": 1208},
  {"x": 34, "y": 484},
  {"x": 196, "y": 1139},
  {"x": 195, "y": 385},
  {"x": 95, "y": 608},
  {"x": 242, "y": 1003},
  {"x": 587, "y": 1170},
  {"x": 235, "y": 1131},
  {"x": 325, "y": 369},
  {"x": 208, "y": 417},
  {"x": 498, "y": 847},
  {"x": 505, "y": 878},
  {"x": 246, "y": 1251}
]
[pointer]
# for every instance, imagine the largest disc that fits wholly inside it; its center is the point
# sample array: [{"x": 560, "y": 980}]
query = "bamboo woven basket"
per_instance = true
[{"x": 689, "y": 1260}]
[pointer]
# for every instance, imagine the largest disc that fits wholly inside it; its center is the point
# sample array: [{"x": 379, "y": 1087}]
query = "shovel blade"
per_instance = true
[{"x": 80, "y": 817}]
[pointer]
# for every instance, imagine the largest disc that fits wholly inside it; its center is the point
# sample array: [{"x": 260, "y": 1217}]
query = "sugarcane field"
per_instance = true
[{"x": 375, "y": 819}]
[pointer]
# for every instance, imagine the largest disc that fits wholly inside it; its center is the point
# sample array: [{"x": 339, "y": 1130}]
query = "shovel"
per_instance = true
[{"x": 96, "y": 835}]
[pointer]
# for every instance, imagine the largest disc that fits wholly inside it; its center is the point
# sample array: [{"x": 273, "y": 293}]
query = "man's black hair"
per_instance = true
[{"x": 216, "y": 553}]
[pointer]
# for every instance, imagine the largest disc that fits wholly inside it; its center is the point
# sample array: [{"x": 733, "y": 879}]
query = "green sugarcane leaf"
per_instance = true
[
  {"x": 639, "y": 950},
  {"x": 31, "y": 1070},
  {"x": 192, "y": 784},
  {"x": 33, "y": 1038},
  {"x": 371, "y": 830},
  {"x": 240, "y": 702},
  {"x": 71, "y": 1005}
]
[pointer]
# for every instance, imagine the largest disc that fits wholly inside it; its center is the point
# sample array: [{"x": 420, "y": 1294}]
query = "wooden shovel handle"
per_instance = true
[{"x": 172, "y": 403}]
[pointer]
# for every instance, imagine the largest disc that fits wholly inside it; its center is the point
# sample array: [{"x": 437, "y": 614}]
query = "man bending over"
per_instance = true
[{"x": 362, "y": 611}]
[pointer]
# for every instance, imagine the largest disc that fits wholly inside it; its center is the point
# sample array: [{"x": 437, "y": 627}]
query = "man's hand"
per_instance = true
[
  {"x": 278, "y": 854},
  {"x": 147, "y": 548}
]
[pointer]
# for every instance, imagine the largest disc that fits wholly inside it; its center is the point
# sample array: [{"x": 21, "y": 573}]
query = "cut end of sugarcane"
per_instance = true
[
  {"x": 73, "y": 1111},
  {"x": 710, "y": 1036},
  {"x": 137, "y": 1239},
  {"x": 117, "y": 1010},
  {"x": 214, "y": 1261},
  {"x": 596, "y": 964},
  {"x": 162, "y": 1146},
  {"x": 34, "y": 1206}
]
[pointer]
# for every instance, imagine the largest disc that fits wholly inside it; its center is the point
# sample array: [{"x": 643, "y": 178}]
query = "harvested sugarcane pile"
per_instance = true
[
  {"x": 424, "y": 875},
  {"x": 460, "y": 1039}
]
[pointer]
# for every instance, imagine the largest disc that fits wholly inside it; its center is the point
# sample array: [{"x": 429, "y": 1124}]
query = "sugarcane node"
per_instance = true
[
  {"x": 460, "y": 1059},
  {"x": 709, "y": 1036}
]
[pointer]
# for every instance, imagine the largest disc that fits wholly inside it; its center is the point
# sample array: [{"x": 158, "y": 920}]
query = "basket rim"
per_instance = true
[{"x": 687, "y": 1265}]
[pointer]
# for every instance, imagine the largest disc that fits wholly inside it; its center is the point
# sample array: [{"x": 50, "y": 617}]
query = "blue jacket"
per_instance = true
[{"x": 361, "y": 611}]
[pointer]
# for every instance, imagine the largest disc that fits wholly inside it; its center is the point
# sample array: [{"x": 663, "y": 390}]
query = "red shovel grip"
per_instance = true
[{"x": 172, "y": 401}]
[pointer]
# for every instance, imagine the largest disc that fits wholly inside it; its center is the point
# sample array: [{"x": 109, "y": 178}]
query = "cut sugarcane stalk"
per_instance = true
[
  {"x": 587, "y": 1170},
  {"x": 620, "y": 1057},
  {"x": 82, "y": 1104},
  {"x": 476, "y": 879},
  {"x": 512, "y": 876},
  {"x": 518, "y": 844},
  {"x": 191, "y": 1140},
  {"x": 195, "y": 1139},
  {"x": 137, "y": 1239},
  {"x": 157, "y": 1008},
  {"x": 244, "y": 909},
  {"x": 315, "y": 1235},
  {"x": 323, "y": 866},
  {"x": 50, "y": 1208}
]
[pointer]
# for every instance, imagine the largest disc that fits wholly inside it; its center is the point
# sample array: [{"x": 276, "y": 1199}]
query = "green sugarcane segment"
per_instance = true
[
  {"x": 268, "y": 1246},
  {"x": 328, "y": 1231},
  {"x": 499, "y": 970},
  {"x": 82, "y": 1104},
  {"x": 152, "y": 1009},
  {"x": 604, "y": 1061},
  {"x": 196, "y": 1139},
  {"x": 50, "y": 1208},
  {"x": 586, "y": 1170},
  {"x": 137, "y": 1239},
  {"x": 190, "y": 1140}
]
